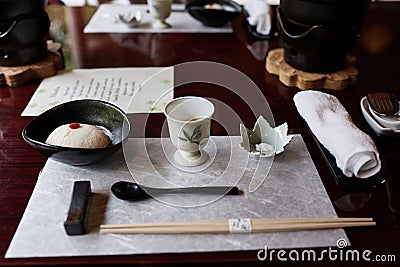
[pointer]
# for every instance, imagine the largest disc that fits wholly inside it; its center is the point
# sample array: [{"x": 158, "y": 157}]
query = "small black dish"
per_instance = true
[
  {"x": 89, "y": 111},
  {"x": 214, "y": 17}
]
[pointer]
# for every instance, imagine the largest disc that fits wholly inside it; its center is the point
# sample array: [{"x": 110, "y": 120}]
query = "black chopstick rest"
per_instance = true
[{"x": 76, "y": 221}]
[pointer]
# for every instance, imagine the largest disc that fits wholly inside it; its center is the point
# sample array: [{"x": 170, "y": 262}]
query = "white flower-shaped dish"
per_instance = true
[
  {"x": 130, "y": 20},
  {"x": 264, "y": 140}
]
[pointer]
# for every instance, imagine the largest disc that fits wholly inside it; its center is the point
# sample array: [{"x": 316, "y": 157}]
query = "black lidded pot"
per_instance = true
[
  {"x": 24, "y": 28},
  {"x": 317, "y": 34}
]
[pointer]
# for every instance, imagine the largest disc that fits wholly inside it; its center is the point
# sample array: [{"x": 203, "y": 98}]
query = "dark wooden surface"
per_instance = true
[{"x": 378, "y": 56}]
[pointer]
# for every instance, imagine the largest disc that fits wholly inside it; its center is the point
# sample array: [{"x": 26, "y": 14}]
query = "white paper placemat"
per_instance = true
[
  {"x": 134, "y": 90},
  {"x": 291, "y": 189},
  {"x": 105, "y": 20}
]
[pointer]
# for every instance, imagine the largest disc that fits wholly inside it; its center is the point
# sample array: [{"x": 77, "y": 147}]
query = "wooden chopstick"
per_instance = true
[
  {"x": 222, "y": 226},
  {"x": 254, "y": 221}
]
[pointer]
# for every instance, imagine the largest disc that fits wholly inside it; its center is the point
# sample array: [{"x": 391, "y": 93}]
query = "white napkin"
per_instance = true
[
  {"x": 260, "y": 14},
  {"x": 355, "y": 151}
]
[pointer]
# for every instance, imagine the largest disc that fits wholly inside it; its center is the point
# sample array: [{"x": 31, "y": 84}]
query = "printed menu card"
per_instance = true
[{"x": 134, "y": 90}]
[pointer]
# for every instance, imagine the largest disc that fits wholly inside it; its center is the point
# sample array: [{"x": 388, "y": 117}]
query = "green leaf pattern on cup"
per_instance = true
[{"x": 195, "y": 137}]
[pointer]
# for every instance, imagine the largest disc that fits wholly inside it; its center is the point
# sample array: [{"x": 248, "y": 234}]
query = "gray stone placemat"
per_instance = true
[{"x": 292, "y": 188}]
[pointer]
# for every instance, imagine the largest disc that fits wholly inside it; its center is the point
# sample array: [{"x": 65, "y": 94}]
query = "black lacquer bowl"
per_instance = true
[
  {"x": 214, "y": 17},
  {"x": 95, "y": 112}
]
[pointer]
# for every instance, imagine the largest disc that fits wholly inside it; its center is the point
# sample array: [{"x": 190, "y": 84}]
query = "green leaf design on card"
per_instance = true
[
  {"x": 41, "y": 91},
  {"x": 152, "y": 107},
  {"x": 52, "y": 104},
  {"x": 166, "y": 81},
  {"x": 33, "y": 105}
]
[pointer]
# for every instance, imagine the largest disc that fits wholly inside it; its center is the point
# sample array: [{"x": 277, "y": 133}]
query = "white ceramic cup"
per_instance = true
[
  {"x": 189, "y": 125},
  {"x": 160, "y": 10}
]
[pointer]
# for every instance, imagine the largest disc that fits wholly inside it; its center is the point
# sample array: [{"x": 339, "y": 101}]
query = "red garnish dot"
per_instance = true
[{"x": 74, "y": 125}]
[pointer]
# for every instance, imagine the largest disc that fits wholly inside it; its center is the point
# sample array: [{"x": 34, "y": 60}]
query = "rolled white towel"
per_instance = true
[
  {"x": 354, "y": 150},
  {"x": 260, "y": 14}
]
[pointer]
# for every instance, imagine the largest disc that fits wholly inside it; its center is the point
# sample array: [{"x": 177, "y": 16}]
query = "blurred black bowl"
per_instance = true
[
  {"x": 214, "y": 17},
  {"x": 94, "y": 112}
]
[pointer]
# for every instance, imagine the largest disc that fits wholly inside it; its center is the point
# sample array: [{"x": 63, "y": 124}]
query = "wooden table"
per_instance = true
[{"x": 378, "y": 55}]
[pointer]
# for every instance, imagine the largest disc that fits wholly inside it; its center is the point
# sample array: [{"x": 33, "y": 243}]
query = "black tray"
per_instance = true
[{"x": 351, "y": 183}]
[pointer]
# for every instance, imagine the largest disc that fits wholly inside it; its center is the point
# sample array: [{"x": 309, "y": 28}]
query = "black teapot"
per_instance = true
[
  {"x": 24, "y": 28},
  {"x": 317, "y": 34}
]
